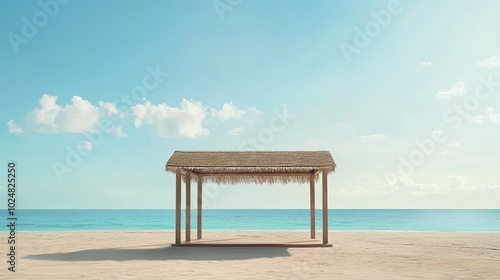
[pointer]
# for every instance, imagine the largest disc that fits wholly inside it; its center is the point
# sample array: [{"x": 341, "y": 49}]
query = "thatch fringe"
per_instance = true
[
  {"x": 236, "y": 177},
  {"x": 227, "y": 180}
]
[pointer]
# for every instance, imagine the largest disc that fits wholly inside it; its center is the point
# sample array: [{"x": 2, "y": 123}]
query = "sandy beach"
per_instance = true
[{"x": 355, "y": 255}]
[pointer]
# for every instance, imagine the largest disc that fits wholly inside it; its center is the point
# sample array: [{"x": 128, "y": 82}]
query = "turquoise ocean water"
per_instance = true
[{"x": 298, "y": 219}]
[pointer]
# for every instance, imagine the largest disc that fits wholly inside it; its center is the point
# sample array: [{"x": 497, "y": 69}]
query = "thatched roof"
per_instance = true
[{"x": 252, "y": 167}]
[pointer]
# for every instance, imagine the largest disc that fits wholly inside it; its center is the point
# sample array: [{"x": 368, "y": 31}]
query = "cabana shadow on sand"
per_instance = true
[{"x": 259, "y": 167}]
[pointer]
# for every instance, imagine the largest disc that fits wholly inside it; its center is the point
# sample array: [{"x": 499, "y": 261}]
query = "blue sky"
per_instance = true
[{"x": 96, "y": 96}]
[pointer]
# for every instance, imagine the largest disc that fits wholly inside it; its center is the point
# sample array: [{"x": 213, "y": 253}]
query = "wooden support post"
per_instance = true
[
  {"x": 188, "y": 207},
  {"x": 200, "y": 182},
  {"x": 325, "y": 206},
  {"x": 178, "y": 181},
  {"x": 313, "y": 207}
]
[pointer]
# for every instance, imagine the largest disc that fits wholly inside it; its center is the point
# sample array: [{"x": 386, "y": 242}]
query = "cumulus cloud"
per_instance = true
[
  {"x": 118, "y": 132},
  {"x": 456, "y": 145},
  {"x": 184, "y": 121},
  {"x": 373, "y": 137},
  {"x": 456, "y": 90},
  {"x": 395, "y": 184},
  {"x": 462, "y": 184},
  {"x": 235, "y": 131},
  {"x": 45, "y": 115},
  {"x": 14, "y": 128},
  {"x": 490, "y": 116},
  {"x": 449, "y": 184},
  {"x": 407, "y": 184},
  {"x": 489, "y": 63},
  {"x": 86, "y": 146},
  {"x": 444, "y": 153},
  {"x": 475, "y": 119},
  {"x": 77, "y": 117},
  {"x": 423, "y": 65},
  {"x": 81, "y": 116},
  {"x": 231, "y": 111},
  {"x": 494, "y": 118},
  {"x": 493, "y": 189},
  {"x": 108, "y": 109}
]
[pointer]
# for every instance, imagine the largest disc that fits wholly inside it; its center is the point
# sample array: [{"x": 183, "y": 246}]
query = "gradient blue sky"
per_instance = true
[{"x": 404, "y": 94}]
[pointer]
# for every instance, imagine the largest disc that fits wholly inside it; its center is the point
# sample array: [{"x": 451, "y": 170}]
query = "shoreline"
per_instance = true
[{"x": 193, "y": 230}]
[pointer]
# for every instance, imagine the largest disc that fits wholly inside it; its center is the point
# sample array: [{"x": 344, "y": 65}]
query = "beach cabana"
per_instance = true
[{"x": 258, "y": 167}]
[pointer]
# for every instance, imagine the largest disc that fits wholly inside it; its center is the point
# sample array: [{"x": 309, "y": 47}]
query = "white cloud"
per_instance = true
[
  {"x": 235, "y": 131},
  {"x": 494, "y": 118},
  {"x": 456, "y": 90},
  {"x": 118, "y": 132},
  {"x": 424, "y": 65},
  {"x": 231, "y": 111},
  {"x": 491, "y": 116},
  {"x": 186, "y": 121},
  {"x": 489, "y": 63},
  {"x": 108, "y": 109},
  {"x": 77, "y": 117},
  {"x": 14, "y": 128},
  {"x": 253, "y": 110},
  {"x": 469, "y": 186},
  {"x": 476, "y": 119},
  {"x": 449, "y": 184},
  {"x": 373, "y": 137},
  {"x": 86, "y": 146},
  {"x": 437, "y": 133},
  {"x": 461, "y": 184},
  {"x": 408, "y": 185},
  {"x": 493, "y": 188},
  {"x": 456, "y": 145},
  {"x": 46, "y": 114},
  {"x": 395, "y": 185},
  {"x": 81, "y": 116}
]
